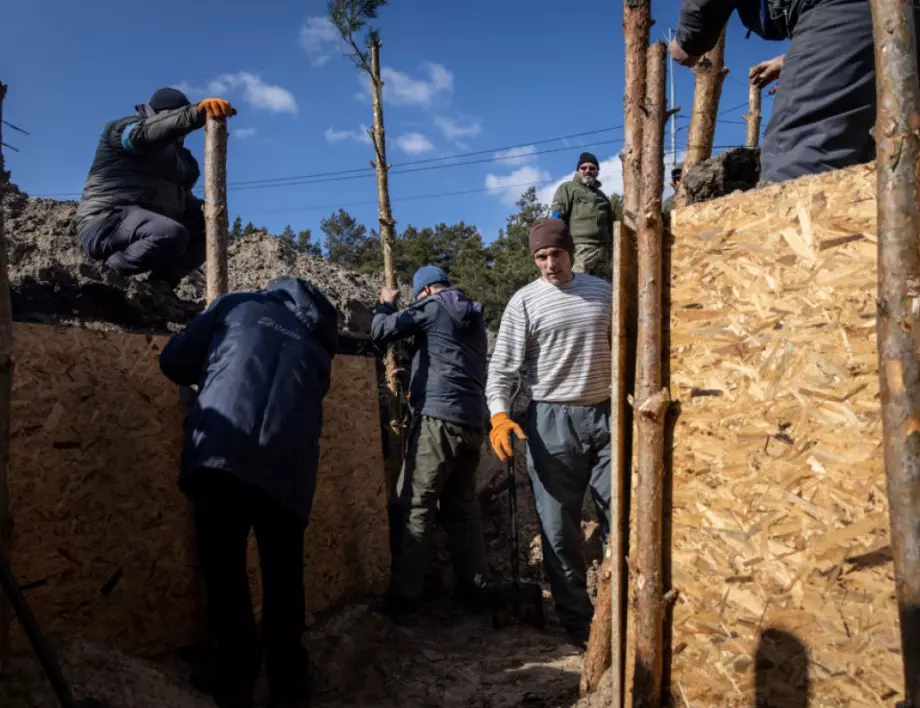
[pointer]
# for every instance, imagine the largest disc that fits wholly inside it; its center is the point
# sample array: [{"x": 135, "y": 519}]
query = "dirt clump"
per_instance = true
[
  {"x": 737, "y": 169},
  {"x": 53, "y": 281}
]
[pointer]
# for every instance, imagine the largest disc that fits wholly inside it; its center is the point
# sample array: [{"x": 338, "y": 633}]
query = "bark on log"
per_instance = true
[
  {"x": 637, "y": 21},
  {"x": 651, "y": 399},
  {"x": 897, "y": 136},
  {"x": 753, "y": 117},
  {"x": 6, "y": 386},
  {"x": 216, "y": 218},
  {"x": 387, "y": 239},
  {"x": 710, "y": 73},
  {"x": 597, "y": 656}
]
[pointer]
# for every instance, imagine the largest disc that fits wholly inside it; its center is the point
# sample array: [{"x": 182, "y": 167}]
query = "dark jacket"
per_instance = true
[
  {"x": 585, "y": 209},
  {"x": 449, "y": 357},
  {"x": 701, "y": 21},
  {"x": 140, "y": 161},
  {"x": 262, "y": 362}
]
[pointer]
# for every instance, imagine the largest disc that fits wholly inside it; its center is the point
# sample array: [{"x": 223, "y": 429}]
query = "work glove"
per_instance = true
[
  {"x": 500, "y": 437},
  {"x": 216, "y": 108}
]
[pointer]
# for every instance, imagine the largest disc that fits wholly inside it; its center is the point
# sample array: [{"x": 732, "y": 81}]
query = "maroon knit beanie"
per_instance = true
[{"x": 551, "y": 233}]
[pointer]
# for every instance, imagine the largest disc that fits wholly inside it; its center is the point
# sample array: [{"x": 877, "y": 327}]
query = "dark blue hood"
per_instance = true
[
  {"x": 310, "y": 306},
  {"x": 461, "y": 309}
]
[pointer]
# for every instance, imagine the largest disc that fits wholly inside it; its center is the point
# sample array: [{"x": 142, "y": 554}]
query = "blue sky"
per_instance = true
[{"x": 461, "y": 77}]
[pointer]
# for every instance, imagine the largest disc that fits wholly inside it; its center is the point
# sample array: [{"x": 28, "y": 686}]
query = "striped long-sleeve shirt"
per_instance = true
[{"x": 561, "y": 334}]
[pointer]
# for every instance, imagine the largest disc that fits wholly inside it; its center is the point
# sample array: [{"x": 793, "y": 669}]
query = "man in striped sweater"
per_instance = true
[{"x": 558, "y": 329}]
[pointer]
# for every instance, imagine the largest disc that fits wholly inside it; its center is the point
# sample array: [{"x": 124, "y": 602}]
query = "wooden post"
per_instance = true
[
  {"x": 898, "y": 312},
  {"x": 652, "y": 401},
  {"x": 6, "y": 388},
  {"x": 753, "y": 117},
  {"x": 387, "y": 239},
  {"x": 637, "y": 21},
  {"x": 710, "y": 73},
  {"x": 215, "y": 207}
]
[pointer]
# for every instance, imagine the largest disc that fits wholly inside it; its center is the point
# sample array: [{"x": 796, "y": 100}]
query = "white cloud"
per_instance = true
[
  {"x": 454, "y": 129},
  {"x": 319, "y": 36},
  {"x": 402, "y": 89},
  {"x": 610, "y": 176},
  {"x": 337, "y": 136},
  {"x": 414, "y": 143},
  {"x": 244, "y": 133},
  {"x": 256, "y": 92},
  {"x": 510, "y": 187},
  {"x": 516, "y": 155}
]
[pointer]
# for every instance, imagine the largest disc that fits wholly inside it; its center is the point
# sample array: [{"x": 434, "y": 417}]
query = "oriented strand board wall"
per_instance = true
[
  {"x": 103, "y": 539},
  {"x": 780, "y": 528}
]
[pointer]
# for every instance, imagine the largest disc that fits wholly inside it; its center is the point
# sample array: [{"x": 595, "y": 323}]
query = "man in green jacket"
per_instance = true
[{"x": 586, "y": 210}]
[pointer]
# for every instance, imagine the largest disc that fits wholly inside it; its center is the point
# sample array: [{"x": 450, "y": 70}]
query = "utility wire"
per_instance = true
[{"x": 16, "y": 128}]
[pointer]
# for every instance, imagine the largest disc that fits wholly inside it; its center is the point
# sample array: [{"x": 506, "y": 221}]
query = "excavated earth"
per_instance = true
[
  {"x": 734, "y": 170},
  {"x": 445, "y": 657}
]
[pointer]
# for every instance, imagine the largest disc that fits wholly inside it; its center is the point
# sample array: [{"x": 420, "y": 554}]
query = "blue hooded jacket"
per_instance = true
[
  {"x": 449, "y": 354},
  {"x": 262, "y": 361}
]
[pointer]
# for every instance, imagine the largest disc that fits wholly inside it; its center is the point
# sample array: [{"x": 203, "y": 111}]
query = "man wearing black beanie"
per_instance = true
[
  {"x": 586, "y": 210},
  {"x": 137, "y": 211}
]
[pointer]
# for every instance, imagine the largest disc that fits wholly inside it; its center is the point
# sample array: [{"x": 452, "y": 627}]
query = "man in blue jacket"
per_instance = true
[
  {"x": 262, "y": 362},
  {"x": 137, "y": 211},
  {"x": 447, "y": 395},
  {"x": 825, "y": 105}
]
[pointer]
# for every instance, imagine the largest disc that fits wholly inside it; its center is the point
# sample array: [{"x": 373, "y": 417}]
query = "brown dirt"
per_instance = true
[
  {"x": 53, "y": 281},
  {"x": 733, "y": 170}
]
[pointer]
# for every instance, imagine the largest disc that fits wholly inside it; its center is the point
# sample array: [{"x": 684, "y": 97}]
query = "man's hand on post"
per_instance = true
[
  {"x": 389, "y": 296},
  {"x": 680, "y": 56},
  {"x": 766, "y": 72},
  {"x": 216, "y": 108}
]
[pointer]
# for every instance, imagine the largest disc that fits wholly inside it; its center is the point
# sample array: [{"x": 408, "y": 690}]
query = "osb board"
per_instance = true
[
  {"x": 779, "y": 515},
  {"x": 103, "y": 539}
]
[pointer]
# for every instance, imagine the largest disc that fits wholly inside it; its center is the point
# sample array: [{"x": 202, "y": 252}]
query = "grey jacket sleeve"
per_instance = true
[
  {"x": 157, "y": 131},
  {"x": 701, "y": 23}
]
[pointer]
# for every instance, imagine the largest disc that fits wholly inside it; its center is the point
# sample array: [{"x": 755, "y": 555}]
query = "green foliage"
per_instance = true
[
  {"x": 346, "y": 239},
  {"x": 288, "y": 236},
  {"x": 350, "y": 17},
  {"x": 305, "y": 244},
  {"x": 237, "y": 229},
  {"x": 249, "y": 229}
]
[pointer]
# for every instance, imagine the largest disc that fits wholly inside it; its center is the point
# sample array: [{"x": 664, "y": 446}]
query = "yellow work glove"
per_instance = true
[
  {"x": 500, "y": 437},
  {"x": 216, "y": 108}
]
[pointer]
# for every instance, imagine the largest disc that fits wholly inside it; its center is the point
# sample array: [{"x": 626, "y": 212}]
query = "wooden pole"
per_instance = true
[
  {"x": 652, "y": 401},
  {"x": 387, "y": 239},
  {"x": 637, "y": 21},
  {"x": 898, "y": 312},
  {"x": 710, "y": 73},
  {"x": 753, "y": 117},
  {"x": 215, "y": 207},
  {"x": 6, "y": 389}
]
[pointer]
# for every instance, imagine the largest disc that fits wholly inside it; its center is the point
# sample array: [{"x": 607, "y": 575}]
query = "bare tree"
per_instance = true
[
  {"x": 652, "y": 400},
  {"x": 637, "y": 21},
  {"x": 754, "y": 116},
  {"x": 897, "y": 318},
  {"x": 350, "y": 18},
  {"x": 710, "y": 74},
  {"x": 216, "y": 218}
]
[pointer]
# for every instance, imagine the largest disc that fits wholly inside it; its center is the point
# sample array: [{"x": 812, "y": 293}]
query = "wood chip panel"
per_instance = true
[
  {"x": 780, "y": 546},
  {"x": 103, "y": 540}
]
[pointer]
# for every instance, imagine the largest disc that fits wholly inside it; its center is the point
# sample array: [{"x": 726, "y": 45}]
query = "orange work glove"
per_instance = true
[
  {"x": 216, "y": 108},
  {"x": 500, "y": 437}
]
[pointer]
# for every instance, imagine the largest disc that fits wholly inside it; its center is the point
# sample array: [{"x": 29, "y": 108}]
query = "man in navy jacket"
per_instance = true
[
  {"x": 447, "y": 395},
  {"x": 262, "y": 361}
]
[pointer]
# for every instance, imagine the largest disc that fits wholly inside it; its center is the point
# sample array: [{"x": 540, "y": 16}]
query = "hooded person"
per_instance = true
[
  {"x": 447, "y": 397},
  {"x": 587, "y": 212},
  {"x": 137, "y": 212},
  {"x": 262, "y": 362}
]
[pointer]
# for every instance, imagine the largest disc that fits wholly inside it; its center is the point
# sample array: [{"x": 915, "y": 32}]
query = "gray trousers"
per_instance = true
[
  {"x": 439, "y": 469},
  {"x": 593, "y": 259},
  {"x": 135, "y": 240},
  {"x": 825, "y": 103},
  {"x": 568, "y": 453}
]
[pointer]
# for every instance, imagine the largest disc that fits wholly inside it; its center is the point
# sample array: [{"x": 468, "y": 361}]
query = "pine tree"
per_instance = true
[
  {"x": 306, "y": 245},
  {"x": 237, "y": 229}
]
